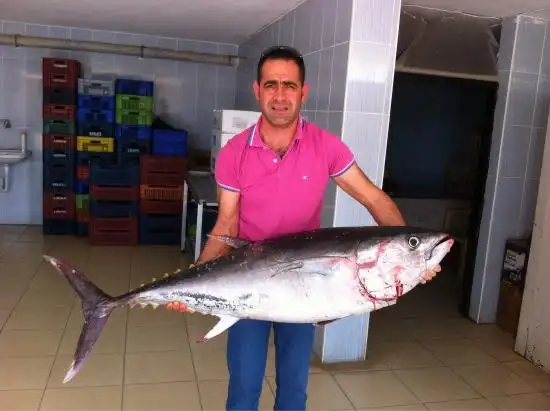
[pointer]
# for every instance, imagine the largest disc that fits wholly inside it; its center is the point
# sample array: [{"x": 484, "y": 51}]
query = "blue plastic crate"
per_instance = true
[
  {"x": 114, "y": 175},
  {"x": 95, "y": 129},
  {"x": 96, "y": 116},
  {"x": 58, "y": 158},
  {"x": 132, "y": 147},
  {"x": 100, "y": 208},
  {"x": 59, "y": 178},
  {"x": 58, "y": 227},
  {"x": 85, "y": 158},
  {"x": 134, "y": 87},
  {"x": 82, "y": 187},
  {"x": 91, "y": 102},
  {"x": 169, "y": 142},
  {"x": 159, "y": 229},
  {"x": 133, "y": 132}
]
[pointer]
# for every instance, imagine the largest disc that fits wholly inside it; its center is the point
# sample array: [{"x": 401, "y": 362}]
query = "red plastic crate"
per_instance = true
[
  {"x": 111, "y": 193},
  {"x": 60, "y": 66},
  {"x": 82, "y": 173},
  {"x": 152, "y": 192},
  {"x": 59, "y": 142},
  {"x": 163, "y": 170},
  {"x": 82, "y": 216},
  {"x": 147, "y": 206},
  {"x": 113, "y": 231},
  {"x": 60, "y": 80},
  {"x": 59, "y": 112},
  {"x": 59, "y": 206}
]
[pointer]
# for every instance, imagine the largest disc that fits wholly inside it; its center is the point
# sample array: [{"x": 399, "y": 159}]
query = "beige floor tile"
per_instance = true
[
  {"x": 4, "y": 314},
  {"x": 213, "y": 395},
  {"x": 22, "y": 400},
  {"x": 436, "y": 384},
  {"x": 82, "y": 399},
  {"x": 98, "y": 370},
  {"x": 458, "y": 352},
  {"x": 411, "y": 407},
  {"x": 522, "y": 402},
  {"x": 25, "y": 373},
  {"x": 324, "y": 393},
  {"x": 45, "y": 318},
  {"x": 500, "y": 347},
  {"x": 156, "y": 338},
  {"x": 493, "y": 380},
  {"x": 27, "y": 343},
  {"x": 408, "y": 354},
  {"x": 179, "y": 396},
  {"x": 530, "y": 373},
  {"x": 463, "y": 405},
  {"x": 210, "y": 364},
  {"x": 158, "y": 367},
  {"x": 375, "y": 389},
  {"x": 111, "y": 340}
]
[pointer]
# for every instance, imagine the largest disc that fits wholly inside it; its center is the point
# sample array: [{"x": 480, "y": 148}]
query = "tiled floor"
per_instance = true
[{"x": 422, "y": 355}]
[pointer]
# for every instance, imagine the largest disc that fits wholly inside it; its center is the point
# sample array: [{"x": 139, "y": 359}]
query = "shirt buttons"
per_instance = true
[{"x": 275, "y": 160}]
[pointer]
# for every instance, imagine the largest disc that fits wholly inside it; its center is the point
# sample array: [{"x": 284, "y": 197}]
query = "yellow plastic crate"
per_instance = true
[{"x": 96, "y": 144}]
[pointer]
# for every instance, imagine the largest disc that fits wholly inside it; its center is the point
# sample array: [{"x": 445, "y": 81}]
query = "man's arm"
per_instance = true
[
  {"x": 227, "y": 224},
  {"x": 380, "y": 205}
]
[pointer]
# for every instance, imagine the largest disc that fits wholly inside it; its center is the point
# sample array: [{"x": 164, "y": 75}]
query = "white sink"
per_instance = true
[{"x": 13, "y": 156}]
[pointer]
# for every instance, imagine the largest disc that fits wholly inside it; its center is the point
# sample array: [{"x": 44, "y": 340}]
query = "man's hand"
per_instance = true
[{"x": 429, "y": 275}]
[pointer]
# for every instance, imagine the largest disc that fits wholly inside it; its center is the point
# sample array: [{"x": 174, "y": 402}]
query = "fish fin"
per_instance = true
[
  {"x": 225, "y": 322},
  {"x": 97, "y": 306},
  {"x": 232, "y": 241}
]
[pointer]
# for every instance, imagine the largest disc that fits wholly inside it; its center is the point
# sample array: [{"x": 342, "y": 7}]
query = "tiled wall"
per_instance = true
[
  {"x": 349, "y": 48},
  {"x": 186, "y": 94},
  {"x": 520, "y": 123}
]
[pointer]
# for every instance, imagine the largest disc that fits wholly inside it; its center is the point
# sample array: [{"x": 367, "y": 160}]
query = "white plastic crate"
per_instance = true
[{"x": 234, "y": 121}]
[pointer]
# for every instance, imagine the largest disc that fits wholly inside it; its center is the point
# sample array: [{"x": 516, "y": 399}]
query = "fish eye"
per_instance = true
[{"x": 414, "y": 242}]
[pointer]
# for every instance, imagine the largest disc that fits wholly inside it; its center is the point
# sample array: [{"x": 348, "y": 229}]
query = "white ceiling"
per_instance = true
[{"x": 228, "y": 21}]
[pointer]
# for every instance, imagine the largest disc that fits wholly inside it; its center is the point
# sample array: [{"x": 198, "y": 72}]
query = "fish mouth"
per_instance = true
[{"x": 440, "y": 248}]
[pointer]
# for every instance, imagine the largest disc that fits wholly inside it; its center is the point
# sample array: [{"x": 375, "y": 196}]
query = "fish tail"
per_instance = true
[{"x": 97, "y": 306}]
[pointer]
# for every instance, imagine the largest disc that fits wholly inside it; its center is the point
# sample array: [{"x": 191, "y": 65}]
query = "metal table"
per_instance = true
[{"x": 201, "y": 186}]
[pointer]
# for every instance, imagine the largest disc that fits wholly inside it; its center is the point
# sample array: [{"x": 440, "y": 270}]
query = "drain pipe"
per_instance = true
[{"x": 17, "y": 40}]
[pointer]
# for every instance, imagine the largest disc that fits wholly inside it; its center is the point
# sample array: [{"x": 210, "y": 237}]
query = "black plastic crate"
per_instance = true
[
  {"x": 64, "y": 96},
  {"x": 58, "y": 157},
  {"x": 85, "y": 158},
  {"x": 159, "y": 229},
  {"x": 96, "y": 129},
  {"x": 134, "y": 87},
  {"x": 59, "y": 178},
  {"x": 91, "y": 102},
  {"x": 104, "y": 208},
  {"x": 58, "y": 227},
  {"x": 92, "y": 116},
  {"x": 114, "y": 175},
  {"x": 128, "y": 146},
  {"x": 82, "y": 229}
]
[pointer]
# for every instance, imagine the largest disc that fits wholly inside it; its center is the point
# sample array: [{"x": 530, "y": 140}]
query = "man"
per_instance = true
[{"x": 271, "y": 181}]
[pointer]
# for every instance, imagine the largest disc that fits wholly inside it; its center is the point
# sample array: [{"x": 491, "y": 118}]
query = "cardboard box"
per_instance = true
[
  {"x": 234, "y": 121},
  {"x": 509, "y": 307},
  {"x": 220, "y": 139}
]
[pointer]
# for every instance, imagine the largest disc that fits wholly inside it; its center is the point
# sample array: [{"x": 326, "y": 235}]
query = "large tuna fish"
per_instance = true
[{"x": 308, "y": 277}]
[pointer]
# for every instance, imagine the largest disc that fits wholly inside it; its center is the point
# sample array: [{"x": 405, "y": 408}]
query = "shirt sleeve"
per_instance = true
[
  {"x": 340, "y": 157},
  {"x": 226, "y": 171}
]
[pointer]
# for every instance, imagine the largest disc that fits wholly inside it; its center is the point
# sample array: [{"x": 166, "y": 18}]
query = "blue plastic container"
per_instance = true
[
  {"x": 133, "y": 132},
  {"x": 134, "y": 87},
  {"x": 159, "y": 229},
  {"x": 169, "y": 142},
  {"x": 59, "y": 178},
  {"x": 82, "y": 187},
  {"x": 91, "y": 102},
  {"x": 58, "y": 158},
  {"x": 101, "y": 208},
  {"x": 96, "y": 116},
  {"x": 114, "y": 175}
]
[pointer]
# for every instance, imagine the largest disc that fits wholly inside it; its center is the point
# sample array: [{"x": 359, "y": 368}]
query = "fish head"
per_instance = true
[{"x": 391, "y": 265}]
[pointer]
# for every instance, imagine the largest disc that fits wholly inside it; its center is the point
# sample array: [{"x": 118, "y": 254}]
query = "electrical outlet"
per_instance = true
[{"x": 5, "y": 123}]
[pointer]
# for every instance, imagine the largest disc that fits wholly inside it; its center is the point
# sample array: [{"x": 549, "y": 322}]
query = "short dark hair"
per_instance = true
[{"x": 282, "y": 53}]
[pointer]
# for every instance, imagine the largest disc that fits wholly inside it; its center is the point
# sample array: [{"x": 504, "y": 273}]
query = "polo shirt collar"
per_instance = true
[{"x": 254, "y": 139}]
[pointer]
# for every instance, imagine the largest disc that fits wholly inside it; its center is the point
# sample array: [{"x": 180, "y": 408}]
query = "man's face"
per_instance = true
[{"x": 280, "y": 92}]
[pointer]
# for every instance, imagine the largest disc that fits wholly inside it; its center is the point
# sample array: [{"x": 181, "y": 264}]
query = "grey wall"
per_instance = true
[
  {"x": 520, "y": 122},
  {"x": 349, "y": 48}
]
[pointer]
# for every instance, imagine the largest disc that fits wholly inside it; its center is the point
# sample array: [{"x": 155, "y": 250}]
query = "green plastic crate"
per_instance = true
[
  {"x": 130, "y": 102},
  {"x": 82, "y": 201},
  {"x": 135, "y": 117},
  {"x": 59, "y": 126}
]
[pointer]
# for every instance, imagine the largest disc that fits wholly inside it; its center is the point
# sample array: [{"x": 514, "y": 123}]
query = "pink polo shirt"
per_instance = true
[{"x": 281, "y": 196}]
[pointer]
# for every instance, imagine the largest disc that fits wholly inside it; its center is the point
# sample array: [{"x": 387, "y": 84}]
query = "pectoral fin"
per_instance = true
[
  {"x": 232, "y": 241},
  {"x": 225, "y": 322}
]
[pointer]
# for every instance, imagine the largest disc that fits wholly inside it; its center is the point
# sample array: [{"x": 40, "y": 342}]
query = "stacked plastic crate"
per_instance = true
[
  {"x": 134, "y": 119},
  {"x": 95, "y": 141},
  {"x": 114, "y": 204},
  {"x": 60, "y": 78}
]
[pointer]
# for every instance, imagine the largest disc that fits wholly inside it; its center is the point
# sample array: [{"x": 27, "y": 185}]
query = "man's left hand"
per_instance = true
[{"x": 429, "y": 275}]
